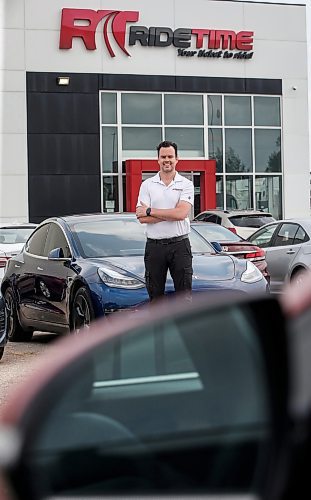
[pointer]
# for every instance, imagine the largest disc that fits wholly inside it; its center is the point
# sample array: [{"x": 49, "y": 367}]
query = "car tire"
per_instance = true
[
  {"x": 82, "y": 311},
  {"x": 15, "y": 332},
  {"x": 1, "y": 352}
]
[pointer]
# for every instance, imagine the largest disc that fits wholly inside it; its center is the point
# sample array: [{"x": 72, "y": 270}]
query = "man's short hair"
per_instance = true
[{"x": 167, "y": 144}]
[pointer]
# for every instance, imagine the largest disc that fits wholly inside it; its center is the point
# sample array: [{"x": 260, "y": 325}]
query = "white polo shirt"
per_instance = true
[{"x": 155, "y": 194}]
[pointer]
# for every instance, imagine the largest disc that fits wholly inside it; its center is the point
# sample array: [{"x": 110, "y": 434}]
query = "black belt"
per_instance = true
[{"x": 167, "y": 241}]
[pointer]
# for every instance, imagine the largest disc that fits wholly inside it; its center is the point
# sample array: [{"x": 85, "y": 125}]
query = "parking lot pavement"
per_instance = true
[{"x": 19, "y": 359}]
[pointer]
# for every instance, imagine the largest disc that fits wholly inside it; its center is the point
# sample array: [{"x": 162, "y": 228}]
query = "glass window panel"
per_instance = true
[
  {"x": 183, "y": 109},
  {"x": 108, "y": 107},
  {"x": 268, "y": 150},
  {"x": 264, "y": 236},
  {"x": 138, "y": 142},
  {"x": 219, "y": 192},
  {"x": 215, "y": 151},
  {"x": 109, "y": 149},
  {"x": 189, "y": 140},
  {"x": 238, "y": 148},
  {"x": 238, "y": 110},
  {"x": 110, "y": 194},
  {"x": 241, "y": 188},
  {"x": 267, "y": 111},
  {"x": 214, "y": 109},
  {"x": 268, "y": 192},
  {"x": 141, "y": 109}
]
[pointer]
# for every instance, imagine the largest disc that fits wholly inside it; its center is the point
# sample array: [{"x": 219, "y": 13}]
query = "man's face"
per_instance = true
[{"x": 167, "y": 159}]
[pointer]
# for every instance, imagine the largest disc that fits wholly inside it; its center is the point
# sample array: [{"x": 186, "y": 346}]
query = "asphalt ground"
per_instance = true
[{"x": 19, "y": 359}]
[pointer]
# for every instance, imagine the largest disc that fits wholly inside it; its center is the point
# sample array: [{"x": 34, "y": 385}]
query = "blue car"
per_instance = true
[{"x": 77, "y": 268}]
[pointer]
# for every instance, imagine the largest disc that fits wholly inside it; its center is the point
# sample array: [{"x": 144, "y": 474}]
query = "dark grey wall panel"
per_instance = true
[
  {"x": 62, "y": 195},
  {"x": 46, "y": 82},
  {"x": 71, "y": 154},
  {"x": 63, "y": 113}
]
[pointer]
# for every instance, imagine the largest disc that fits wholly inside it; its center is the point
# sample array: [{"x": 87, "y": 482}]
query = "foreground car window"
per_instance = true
[{"x": 177, "y": 405}]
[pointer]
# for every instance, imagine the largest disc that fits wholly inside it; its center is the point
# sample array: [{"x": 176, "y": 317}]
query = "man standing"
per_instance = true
[{"x": 164, "y": 203}]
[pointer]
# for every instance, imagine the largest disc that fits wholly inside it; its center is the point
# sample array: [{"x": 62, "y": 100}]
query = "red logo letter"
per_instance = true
[{"x": 69, "y": 29}]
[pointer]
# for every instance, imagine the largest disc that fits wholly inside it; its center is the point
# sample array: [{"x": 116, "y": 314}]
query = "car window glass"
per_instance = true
[
  {"x": 301, "y": 236},
  {"x": 251, "y": 220},
  {"x": 286, "y": 234},
  {"x": 108, "y": 238},
  {"x": 263, "y": 237},
  {"x": 36, "y": 242},
  {"x": 12, "y": 235},
  {"x": 56, "y": 239},
  {"x": 198, "y": 244},
  {"x": 120, "y": 238},
  {"x": 211, "y": 218},
  {"x": 214, "y": 232},
  {"x": 178, "y": 390}
]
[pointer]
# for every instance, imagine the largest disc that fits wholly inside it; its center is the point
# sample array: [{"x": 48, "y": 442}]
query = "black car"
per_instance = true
[
  {"x": 3, "y": 337},
  {"x": 204, "y": 400}
]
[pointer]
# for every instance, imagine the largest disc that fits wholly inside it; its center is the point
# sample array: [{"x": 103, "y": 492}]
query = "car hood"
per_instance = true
[{"x": 206, "y": 267}]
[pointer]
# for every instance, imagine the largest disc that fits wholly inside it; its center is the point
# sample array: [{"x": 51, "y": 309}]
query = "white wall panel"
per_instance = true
[
  {"x": 12, "y": 81},
  {"x": 210, "y": 15},
  {"x": 14, "y": 197},
  {"x": 12, "y": 112},
  {"x": 46, "y": 14},
  {"x": 12, "y": 53},
  {"x": 276, "y": 22},
  {"x": 13, "y": 154},
  {"x": 274, "y": 59},
  {"x": 42, "y": 54},
  {"x": 12, "y": 14},
  {"x": 296, "y": 195}
]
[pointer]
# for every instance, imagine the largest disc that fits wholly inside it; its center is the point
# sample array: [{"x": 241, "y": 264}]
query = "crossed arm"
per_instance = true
[{"x": 180, "y": 212}]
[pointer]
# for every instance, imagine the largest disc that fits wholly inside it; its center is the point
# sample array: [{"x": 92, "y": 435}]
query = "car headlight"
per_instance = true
[
  {"x": 114, "y": 279},
  {"x": 251, "y": 274}
]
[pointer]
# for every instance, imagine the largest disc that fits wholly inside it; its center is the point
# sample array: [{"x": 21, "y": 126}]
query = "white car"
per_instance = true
[
  {"x": 241, "y": 222},
  {"x": 12, "y": 241}
]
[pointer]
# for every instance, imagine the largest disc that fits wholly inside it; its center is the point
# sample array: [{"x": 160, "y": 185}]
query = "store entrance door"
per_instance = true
[{"x": 201, "y": 172}]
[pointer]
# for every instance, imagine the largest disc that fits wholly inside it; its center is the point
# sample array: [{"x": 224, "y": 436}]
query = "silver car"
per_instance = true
[{"x": 288, "y": 249}]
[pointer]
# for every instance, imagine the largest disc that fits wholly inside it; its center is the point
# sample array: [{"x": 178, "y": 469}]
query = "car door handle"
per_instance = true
[
  {"x": 39, "y": 268},
  {"x": 290, "y": 252},
  {"x": 16, "y": 265}
]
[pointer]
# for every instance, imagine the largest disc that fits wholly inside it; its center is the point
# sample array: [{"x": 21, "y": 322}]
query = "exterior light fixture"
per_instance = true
[{"x": 63, "y": 80}]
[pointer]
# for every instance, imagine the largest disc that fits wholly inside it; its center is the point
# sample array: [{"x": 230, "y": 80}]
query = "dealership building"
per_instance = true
[{"x": 88, "y": 88}]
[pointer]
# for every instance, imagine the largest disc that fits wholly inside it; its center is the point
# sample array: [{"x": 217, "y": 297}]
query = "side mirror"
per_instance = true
[
  {"x": 58, "y": 254},
  {"x": 181, "y": 398},
  {"x": 217, "y": 246}
]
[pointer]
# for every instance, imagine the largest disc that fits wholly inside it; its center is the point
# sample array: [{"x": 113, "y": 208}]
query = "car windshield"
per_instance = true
[
  {"x": 12, "y": 235},
  {"x": 251, "y": 220},
  {"x": 120, "y": 237},
  {"x": 216, "y": 233}
]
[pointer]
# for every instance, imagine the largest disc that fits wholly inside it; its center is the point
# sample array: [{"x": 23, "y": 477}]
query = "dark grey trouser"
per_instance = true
[{"x": 175, "y": 257}]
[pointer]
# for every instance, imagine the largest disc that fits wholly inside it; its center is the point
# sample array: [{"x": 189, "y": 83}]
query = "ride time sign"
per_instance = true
[{"x": 189, "y": 42}]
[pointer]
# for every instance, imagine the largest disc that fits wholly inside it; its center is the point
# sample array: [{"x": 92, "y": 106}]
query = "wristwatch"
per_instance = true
[{"x": 148, "y": 211}]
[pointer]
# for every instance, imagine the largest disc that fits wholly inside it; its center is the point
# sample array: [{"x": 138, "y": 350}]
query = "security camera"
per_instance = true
[{"x": 294, "y": 87}]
